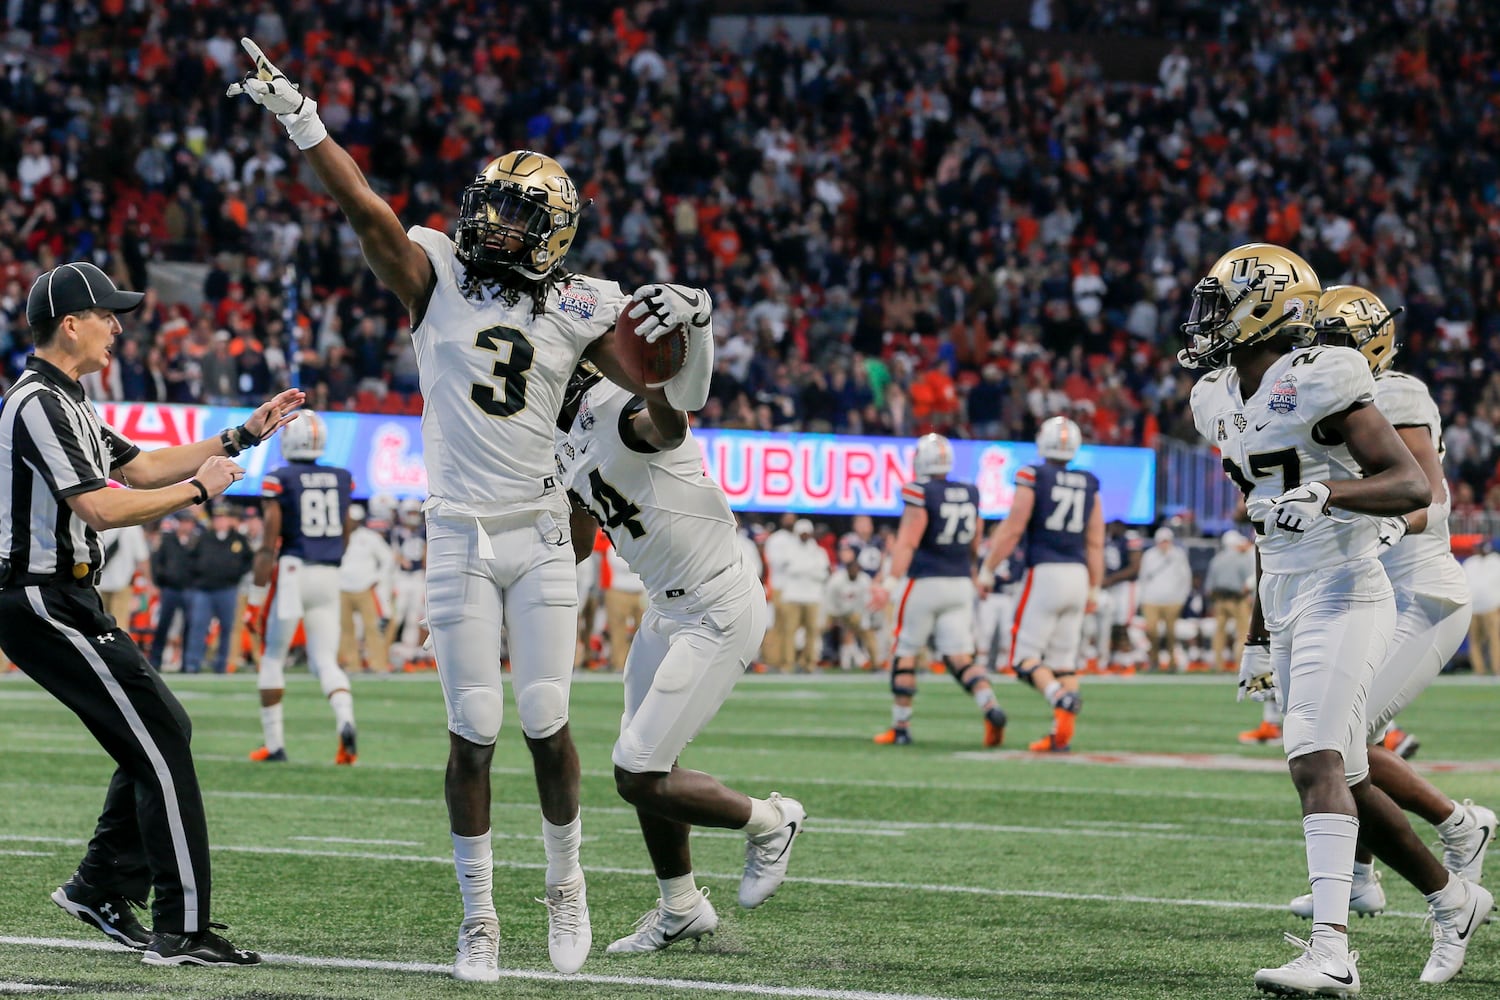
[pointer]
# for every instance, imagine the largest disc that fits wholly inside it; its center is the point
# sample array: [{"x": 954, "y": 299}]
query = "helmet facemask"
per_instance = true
[{"x": 502, "y": 226}]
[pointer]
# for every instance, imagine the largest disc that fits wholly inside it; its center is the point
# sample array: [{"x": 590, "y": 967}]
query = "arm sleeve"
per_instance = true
[
  {"x": 120, "y": 449},
  {"x": 52, "y": 446},
  {"x": 1026, "y": 477},
  {"x": 914, "y": 495}
]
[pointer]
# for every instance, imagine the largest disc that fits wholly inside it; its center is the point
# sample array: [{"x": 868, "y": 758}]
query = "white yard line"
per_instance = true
[
  {"x": 357, "y": 840},
  {"x": 14, "y": 987},
  {"x": 433, "y": 968}
]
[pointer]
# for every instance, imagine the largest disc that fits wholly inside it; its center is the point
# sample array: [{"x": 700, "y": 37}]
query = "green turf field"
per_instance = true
[{"x": 936, "y": 870}]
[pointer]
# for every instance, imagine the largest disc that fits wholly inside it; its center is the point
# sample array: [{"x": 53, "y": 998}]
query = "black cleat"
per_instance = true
[
  {"x": 202, "y": 948},
  {"x": 346, "y": 753},
  {"x": 113, "y": 914}
]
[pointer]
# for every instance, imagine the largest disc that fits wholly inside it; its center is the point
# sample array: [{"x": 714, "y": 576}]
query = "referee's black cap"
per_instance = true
[{"x": 70, "y": 288}]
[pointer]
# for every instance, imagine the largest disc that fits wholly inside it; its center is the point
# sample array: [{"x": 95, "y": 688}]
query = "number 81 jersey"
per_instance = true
[
  {"x": 663, "y": 514},
  {"x": 314, "y": 503},
  {"x": 493, "y": 378},
  {"x": 1275, "y": 441}
]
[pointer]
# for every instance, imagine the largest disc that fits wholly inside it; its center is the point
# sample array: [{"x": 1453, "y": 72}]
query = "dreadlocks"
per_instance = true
[{"x": 510, "y": 288}]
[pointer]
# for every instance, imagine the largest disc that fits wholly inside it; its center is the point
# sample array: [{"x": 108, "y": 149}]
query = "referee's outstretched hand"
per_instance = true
[
  {"x": 218, "y": 474},
  {"x": 275, "y": 413}
]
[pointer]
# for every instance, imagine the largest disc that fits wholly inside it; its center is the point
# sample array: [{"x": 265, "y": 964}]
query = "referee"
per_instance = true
[{"x": 55, "y": 464}]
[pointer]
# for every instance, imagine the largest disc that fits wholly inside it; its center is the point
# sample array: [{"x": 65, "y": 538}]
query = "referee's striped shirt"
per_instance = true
[{"x": 52, "y": 447}]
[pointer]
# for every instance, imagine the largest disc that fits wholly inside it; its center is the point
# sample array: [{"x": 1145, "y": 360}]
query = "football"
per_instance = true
[{"x": 653, "y": 364}]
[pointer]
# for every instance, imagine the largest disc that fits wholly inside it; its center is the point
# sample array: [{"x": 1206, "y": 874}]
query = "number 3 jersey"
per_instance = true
[
  {"x": 1065, "y": 498},
  {"x": 314, "y": 502},
  {"x": 947, "y": 544},
  {"x": 1274, "y": 442},
  {"x": 493, "y": 378},
  {"x": 663, "y": 514}
]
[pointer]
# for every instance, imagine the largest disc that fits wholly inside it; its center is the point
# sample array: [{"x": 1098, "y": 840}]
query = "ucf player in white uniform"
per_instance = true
[
  {"x": 498, "y": 326},
  {"x": 634, "y": 469},
  {"x": 1432, "y": 618},
  {"x": 1300, "y": 436}
]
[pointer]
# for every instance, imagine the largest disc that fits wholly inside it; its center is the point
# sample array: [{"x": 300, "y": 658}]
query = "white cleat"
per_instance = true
[
  {"x": 1320, "y": 971},
  {"x": 1452, "y": 930},
  {"x": 766, "y": 856},
  {"x": 569, "y": 935},
  {"x": 660, "y": 928},
  {"x": 1366, "y": 899},
  {"x": 478, "y": 958},
  {"x": 1465, "y": 848}
]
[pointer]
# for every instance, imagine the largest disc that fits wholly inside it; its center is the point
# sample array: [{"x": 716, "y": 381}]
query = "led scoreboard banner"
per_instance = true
[{"x": 805, "y": 473}]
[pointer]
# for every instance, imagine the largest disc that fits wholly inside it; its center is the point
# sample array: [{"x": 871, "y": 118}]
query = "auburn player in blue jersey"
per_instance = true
[
  {"x": 306, "y": 511},
  {"x": 935, "y": 543},
  {"x": 1057, "y": 511}
]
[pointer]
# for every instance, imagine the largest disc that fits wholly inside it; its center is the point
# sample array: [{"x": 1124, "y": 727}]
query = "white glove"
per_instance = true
[
  {"x": 270, "y": 88},
  {"x": 1295, "y": 510},
  {"x": 1392, "y": 530},
  {"x": 662, "y": 308},
  {"x": 1256, "y": 679}
]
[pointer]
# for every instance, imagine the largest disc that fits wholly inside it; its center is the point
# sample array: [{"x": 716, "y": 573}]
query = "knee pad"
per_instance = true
[
  {"x": 1025, "y": 669},
  {"x": 1070, "y": 701},
  {"x": 331, "y": 678},
  {"x": 272, "y": 675},
  {"x": 973, "y": 671},
  {"x": 904, "y": 681},
  {"x": 480, "y": 711},
  {"x": 543, "y": 708}
]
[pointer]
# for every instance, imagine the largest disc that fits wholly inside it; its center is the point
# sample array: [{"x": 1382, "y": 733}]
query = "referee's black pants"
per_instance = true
[{"x": 152, "y": 833}]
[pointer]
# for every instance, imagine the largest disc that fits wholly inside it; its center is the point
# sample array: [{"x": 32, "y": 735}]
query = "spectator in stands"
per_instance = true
[
  {"x": 219, "y": 560},
  {"x": 805, "y": 569}
]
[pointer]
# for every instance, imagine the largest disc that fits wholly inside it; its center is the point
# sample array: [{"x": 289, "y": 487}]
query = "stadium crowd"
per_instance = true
[{"x": 965, "y": 235}]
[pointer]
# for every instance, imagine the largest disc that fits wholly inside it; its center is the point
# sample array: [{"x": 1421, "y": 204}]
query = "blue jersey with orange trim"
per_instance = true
[
  {"x": 952, "y": 523},
  {"x": 1060, "y": 514},
  {"x": 314, "y": 502}
]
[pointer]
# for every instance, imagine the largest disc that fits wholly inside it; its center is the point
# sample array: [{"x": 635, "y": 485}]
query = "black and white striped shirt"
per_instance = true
[{"x": 52, "y": 447}]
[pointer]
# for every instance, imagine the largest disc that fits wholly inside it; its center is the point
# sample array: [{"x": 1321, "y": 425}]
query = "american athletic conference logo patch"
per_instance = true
[{"x": 1284, "y": 395}]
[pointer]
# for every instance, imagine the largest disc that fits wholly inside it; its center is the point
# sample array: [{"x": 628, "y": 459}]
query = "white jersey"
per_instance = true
[
  {"x": 1271, "y": 443},
  {"x": 1406, "y": 402},
  {"x": 843, "y": 596},
  {"x": 664, "y": 515},
  {"x": 493, "y": 378}
]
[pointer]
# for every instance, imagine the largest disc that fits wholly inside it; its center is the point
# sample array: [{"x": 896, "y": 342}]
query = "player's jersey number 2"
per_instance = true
[{"x": 515, "y": 357}]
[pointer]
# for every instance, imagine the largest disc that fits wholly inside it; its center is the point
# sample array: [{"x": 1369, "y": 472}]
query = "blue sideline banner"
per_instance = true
[{"x": 806, "y": 473}]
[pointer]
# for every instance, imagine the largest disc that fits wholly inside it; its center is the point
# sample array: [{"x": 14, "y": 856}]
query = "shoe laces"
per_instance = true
[
  {"x": 1310, "y": 951},
  {"x": 651, "y": 920},
  {"x": 480, "y": 939},
  {"x": 564, "y": 912}
]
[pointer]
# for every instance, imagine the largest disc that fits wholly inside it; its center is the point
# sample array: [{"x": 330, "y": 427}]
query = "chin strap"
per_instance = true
[{"x": 688, "y": 389}]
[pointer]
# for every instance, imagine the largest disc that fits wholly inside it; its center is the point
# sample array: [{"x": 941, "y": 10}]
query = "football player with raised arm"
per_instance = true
[
  {"x": 1058, "y": 513},
  {"x": 633, "y": 468},
  {"x": 499, "y": 324},
  {"x": 1319, "y": 466},
  {"x": 305, "y": 506},
  {"x": 1432, "y": 618},
  {"x": 935, "y": 544}
]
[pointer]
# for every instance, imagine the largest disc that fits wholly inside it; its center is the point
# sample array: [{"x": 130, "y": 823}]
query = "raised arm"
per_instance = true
[{"x": 400, "y": 264}]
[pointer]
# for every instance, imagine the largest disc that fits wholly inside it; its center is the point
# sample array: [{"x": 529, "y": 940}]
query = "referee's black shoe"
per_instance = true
[
  {"x": 111, "y": 913},
  {"x": 202, "y": 948}
]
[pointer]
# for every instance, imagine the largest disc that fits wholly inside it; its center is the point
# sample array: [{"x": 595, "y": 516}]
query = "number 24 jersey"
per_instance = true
[{"x": 1274, "y": 442}]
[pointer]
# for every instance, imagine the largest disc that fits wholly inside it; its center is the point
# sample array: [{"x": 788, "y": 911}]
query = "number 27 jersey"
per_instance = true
[
  {"x": 1274, "y": 442},
  {"x": 493, "y": 378}
]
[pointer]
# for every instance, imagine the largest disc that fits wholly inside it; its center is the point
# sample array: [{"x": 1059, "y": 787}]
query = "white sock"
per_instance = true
[
  {"x": 1364, "y": 873},
  {"x": 900, "y": 715},
  {"x": 1051, "y": 691},
  {"x": 1270, "y": 713},
  {"x": 342, "y": 703},
  {"x": 562, "y": 850},
  {"x": 765, "y": 816},
  {"x": 1331, "y": 839},
  {"x": 271, "y": 726},
  {"x": 473, "y": 861},
  {"x": 679, "y": 894},
  {"x": 1456, "y": 823},
  {"x": 985, "y": 698},
  {"x": 1449, "y": 896}
]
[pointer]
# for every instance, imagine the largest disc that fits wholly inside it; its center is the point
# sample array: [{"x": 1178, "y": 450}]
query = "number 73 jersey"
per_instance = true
[
  {"x": 1276, "y": 440},
  {"x": 663, "y": 514}
]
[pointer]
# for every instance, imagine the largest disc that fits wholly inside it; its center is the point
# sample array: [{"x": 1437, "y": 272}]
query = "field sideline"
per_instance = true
[{"x": 1154, "y": 863}]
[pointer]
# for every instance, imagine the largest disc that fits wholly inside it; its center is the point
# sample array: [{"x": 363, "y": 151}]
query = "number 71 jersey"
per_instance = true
[{"x": 1275, "y": 441}]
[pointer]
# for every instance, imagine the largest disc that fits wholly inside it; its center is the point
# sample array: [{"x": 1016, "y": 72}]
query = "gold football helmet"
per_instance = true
[
  {"x": 1252, "y": 293},
  {"x": 520, "y": 213},
  {"x": 1351, "y": 316}
]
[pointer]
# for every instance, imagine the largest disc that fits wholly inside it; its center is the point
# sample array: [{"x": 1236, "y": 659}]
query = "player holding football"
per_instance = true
[
  {"x": 1057, "y": 511},
  {"x": 935, "y": 543},
  {"x": 1432, "y": 618},
  {"x": 1300, "y": 436},
  {"x": 499, "y": 325},
  {"x": 633, "y": 468},
  {"x": 305, "y": 508}
]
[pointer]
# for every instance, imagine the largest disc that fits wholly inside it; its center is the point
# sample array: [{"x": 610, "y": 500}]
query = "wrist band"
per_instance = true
[
  {"x": 202, "y": 490},
  {"x": 227, "y": 438}
]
